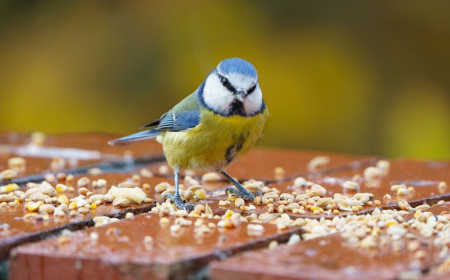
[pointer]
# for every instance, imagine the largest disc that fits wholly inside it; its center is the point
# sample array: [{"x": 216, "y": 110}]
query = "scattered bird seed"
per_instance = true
[
  {"x": 129, "y": 215},
  {"x": 211, "y": 177},
  {"x": 371, "y": 173},
  {"x": 318, "y": 162},
  {"x": 273, "y": 244},
  {"x": 83, "y": 182}
]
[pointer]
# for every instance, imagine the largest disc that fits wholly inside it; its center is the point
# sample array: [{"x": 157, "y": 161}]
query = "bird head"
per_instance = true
[{"x": 233, "y": 89}]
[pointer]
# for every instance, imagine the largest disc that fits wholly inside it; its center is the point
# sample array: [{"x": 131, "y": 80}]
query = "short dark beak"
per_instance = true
[{"x": 240, "y": 95}]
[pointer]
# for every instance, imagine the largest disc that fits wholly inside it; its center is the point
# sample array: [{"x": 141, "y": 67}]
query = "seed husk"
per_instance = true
[
  {"x": 383, "y": 164},
  {"x": 148, "y": 239},
  {"x": 299, "y": 182},
  {"x": 199, "y": 208},
  {"x": 200, "y": 194},
  {"x": 423, "y": 207},
  {"x": 126, "y": 184},
  {"x": 8, "y": 174},
  {"x": 39, "y": 197},
  {"x": 59, "y": 213},
  {"x": 61, "y": 188},
  {"x": 318, "y": 190},
  {"x": 6, "y": 198},
  {"x": 134, "y": 194},
  {"x": 442, "y": 186},
  {"x": 413, "y": 245},
  {"x": 101, "y": 183},
  {"x": 351, "y": 186},
  {"x": 144, "y": 172},
  {"x": 279, "y": 172},
  {"x": 17, "y": 163},
  {"x": 33, "y": 206},
  {"x": 404, "y": 205},
  {"x": 129, "y": 215},
  {"x": 164, "y": 169},
  {"x": 420, "y": 254},
  {"x": 61, "y": 176},
  {"x": 96, "y": 197},
  {"x": 83, "y": 191},
  {"x": 47, "y": 189},
  {"x": 121, "y": 201},
  {"x": 318, "y": 162},
  {"x": 175, "y": 228},
  {"x": 100, "y": 219},
  {"x": 94, "y": 171},
  {"x": 372, "y": 173},
  {"x": 323, "y": 202},
  {"x": 47, "y": 208},
  {"x": 73, "y": 213},
  {"x": 224, "y": 202},
  {"x": 253, "y": 188},
  {"x": 50, "y": 177},
  {"x": 273, "y": 244},
  {"x": 83, "y": 182},
  {"x": 164, "y": 221},
  {"x": 161, "y": 187},
  {"x": 395, "y": 188},
  {"x": 84, "y": 210},
  {"x": 69, "y": 179},
  {"x": 239, "y": 202},
  {"x": 181, "y": 213},
  {"x": 211, "y": 177}
]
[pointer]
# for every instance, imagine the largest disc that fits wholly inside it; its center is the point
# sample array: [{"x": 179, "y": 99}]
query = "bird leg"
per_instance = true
[
  {"x": 176, "y": 199},
  {"x": 240, "y": 191}
]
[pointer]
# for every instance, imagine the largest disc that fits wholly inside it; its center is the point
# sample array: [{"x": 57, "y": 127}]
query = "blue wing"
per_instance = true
[
  {"x": 169, "y": 122},
  {"x": 180, "y": 122}
]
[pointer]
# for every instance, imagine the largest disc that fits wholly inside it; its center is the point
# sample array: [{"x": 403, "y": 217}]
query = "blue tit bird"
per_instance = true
[{"x": 213, "y": 127}]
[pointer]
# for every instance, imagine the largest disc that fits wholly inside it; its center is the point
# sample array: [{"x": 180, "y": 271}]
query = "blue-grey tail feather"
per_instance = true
[{"x": 140, "y": 136}]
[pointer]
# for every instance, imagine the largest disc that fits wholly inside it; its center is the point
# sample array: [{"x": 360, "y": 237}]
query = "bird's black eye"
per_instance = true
[
  {"x": 252, "y": 89},
  {"x": 225, "y": 82}
]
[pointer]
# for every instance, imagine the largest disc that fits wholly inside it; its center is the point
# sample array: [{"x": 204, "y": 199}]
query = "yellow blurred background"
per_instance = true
[{"x": 346, "y": 76}]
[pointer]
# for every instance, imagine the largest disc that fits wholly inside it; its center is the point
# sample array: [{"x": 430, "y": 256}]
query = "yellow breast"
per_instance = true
[{"x": 215, "y": 143}]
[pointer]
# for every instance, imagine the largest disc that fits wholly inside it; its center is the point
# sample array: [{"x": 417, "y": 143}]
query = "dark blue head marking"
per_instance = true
[{"x": 237, "y": 65}]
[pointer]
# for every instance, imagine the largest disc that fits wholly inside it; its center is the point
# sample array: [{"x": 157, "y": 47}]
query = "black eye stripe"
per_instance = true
[
  {"x": 252, "y": 89},
  {"x": 226, "y": 83}
]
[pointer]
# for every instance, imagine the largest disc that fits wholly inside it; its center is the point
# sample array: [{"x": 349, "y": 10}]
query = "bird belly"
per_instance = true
[{"x": 214, "y": 144}]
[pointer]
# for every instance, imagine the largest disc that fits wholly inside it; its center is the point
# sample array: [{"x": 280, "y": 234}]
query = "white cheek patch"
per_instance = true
[
  {"x": 253, "y": 102},
  {"x": 216, "y": 96}
]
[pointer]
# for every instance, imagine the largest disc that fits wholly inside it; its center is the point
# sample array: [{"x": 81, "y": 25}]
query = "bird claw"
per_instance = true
[
  {"x": 243, "y": 193},
  {"x": 178, "y": 202}
]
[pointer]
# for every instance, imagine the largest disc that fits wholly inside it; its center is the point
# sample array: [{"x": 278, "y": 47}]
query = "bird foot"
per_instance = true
[
  {"x": 178, "y": 202},
  {"x": 243, "y": 193}
]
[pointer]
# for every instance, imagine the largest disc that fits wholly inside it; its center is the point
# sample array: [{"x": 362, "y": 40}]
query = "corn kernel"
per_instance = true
[
  {"x": 391, "y": 223},
  {"x": 201, "y": 194},
  {"x": 228, "y": 214},
  {"x": 314, "y": 208},
  {"x": 61, "y": 188},
  {"x": 33, "y": 206},
  {"x": 11, "y": 187}
]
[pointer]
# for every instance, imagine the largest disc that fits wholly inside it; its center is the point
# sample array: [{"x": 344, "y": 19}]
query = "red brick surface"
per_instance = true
[{"x": 120, "y": 252}]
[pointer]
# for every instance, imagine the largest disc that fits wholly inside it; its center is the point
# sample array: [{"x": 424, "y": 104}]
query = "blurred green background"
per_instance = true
[{"x": 347, "y": 76}]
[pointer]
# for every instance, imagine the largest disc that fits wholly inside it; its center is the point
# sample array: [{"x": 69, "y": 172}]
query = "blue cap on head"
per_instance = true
[{"x": 237, "y": 65}]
